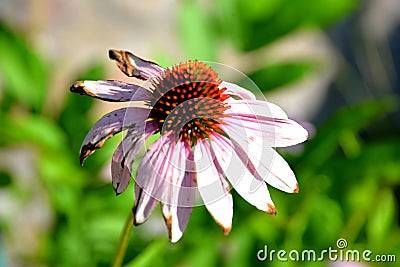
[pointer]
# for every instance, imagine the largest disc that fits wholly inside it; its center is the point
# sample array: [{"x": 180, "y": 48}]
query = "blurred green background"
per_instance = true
[{"x": 332, "y": 64}]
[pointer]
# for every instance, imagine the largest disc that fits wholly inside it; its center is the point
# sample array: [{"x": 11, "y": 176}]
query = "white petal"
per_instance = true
[
  {"x": 256, "y": 107},
  {"x": 267, "y": 163},
  {"x": 236, "y": 90},
  {"x": 266, "y": 120},
  {"x": 186, "y": 197},
  {"x": 213, "y": 187},
  {"x": 144, "y": 205},
  {"x": 275, "y": 132},
  {"x": 150, "y": 182},
  {"x": 112, "y": 91},
  {"x": 251, "y": 189},
  {"x": 170, "y": 199}
]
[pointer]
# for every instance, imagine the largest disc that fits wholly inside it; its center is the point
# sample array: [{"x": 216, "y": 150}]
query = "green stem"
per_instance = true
[{"x": 123, "y": 243}]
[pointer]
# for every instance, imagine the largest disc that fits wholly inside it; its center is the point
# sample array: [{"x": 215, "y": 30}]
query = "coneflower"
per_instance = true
[{"x": 213, "y": 134}]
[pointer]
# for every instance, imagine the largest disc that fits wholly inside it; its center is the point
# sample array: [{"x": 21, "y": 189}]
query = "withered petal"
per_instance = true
[{"x": 134, "y": 66}]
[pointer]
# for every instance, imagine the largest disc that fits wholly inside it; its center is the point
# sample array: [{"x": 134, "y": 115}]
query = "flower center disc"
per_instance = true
[{"x": 188, "y": 101}]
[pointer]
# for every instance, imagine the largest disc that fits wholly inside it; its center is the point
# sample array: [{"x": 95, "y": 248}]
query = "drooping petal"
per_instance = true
[
  {"x": 266, "y": 120},
  {"x": 251, "y": 189},
  {"x": 126, "y": 153},
  {"x": 277, "y": 132},
  {"x": 236, "y": 90},
  {"x": 171, "y": 204},
  {"x": 150, "y": 182},
  {"x": 113, "y": 91},
  {"x": 187, "y": 192},
  {"x": 263, "y": 161},
  {"x": 109, "y": 125},
  {"x": 213, "y": 187},
  {"x": 280, "y": 175},
  {"x": 134, "y": 66},
  {"x": 255, "y": 107}
]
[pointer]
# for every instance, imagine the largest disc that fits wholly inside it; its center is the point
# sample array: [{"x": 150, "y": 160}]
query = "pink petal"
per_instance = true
[
  {"x": 126, "y": 153},
  {"x": 266, "y": 163},
  {"x": 150, "y": 182},
  {"x": 251, "y": 189},
  {"x": 112, "y": 91},
  {"x": 236, "y": 90},
  {"x": 187, "y": 193},
  {"x": 172, "y": 208},
  {"x": 109, "y": 125},
  {"x": 213, "y": 187},
  {"x": 266, "y": 120},
  {"x": 134, "y": 66},
  {"x": 275, "y": 132},
  {"x": 255, "y": 107}
]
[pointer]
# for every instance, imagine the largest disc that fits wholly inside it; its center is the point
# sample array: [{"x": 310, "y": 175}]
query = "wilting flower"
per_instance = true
[{"x": 211, "y": 132}]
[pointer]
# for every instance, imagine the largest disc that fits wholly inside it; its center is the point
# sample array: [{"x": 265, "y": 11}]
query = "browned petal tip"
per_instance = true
[
  {"x": 271, "y": 209},
  {"x": 135, "y": 222},
  {"x": 168, "y": 222},
  {"x": 122, "y": 59},
  {"x": 227, "y": 230},
  {"x": 116, "y": 189},
  {"x": 78, "y": 87},
  {"x": 86, "y": 151},
  {"x": 81, "y": 160},
  {"x": 114, "y": 54},
  {"x": 297, "y": 188},
  {"x": 82, "y": 157}
]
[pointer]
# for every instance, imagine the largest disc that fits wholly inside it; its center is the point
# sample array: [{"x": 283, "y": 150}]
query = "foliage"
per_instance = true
[{"x": 349, "y": 181}]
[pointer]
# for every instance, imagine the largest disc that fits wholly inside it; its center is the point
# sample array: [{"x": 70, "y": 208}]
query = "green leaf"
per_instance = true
[
  {"x": 149, "y": 255},
  {"x": 5, "y": 179},
  {"x": 274, "y": 76},
  {"x": 253, "y": 24},
  {"x": 25, "y": 75},
  {"x": 325, "y": 221},
  {"x": 351, "y": 119},
  {"x": 378, "y": 160},
  {"x": 239, "y": 248},
  {"x": 230, "y": 22},
  {"x": 33, "y": 129},
  {"x": 256, "y": 10},
  {"x": 203, "y": 255},
  {"x": 196, "y": 32},
  {"x": 381, "y": 220}
]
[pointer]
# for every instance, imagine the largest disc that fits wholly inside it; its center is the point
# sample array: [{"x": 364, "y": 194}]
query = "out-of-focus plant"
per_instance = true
[
  {"x": 84, "y": 225},
  {"x": 349, "y": 178}
]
